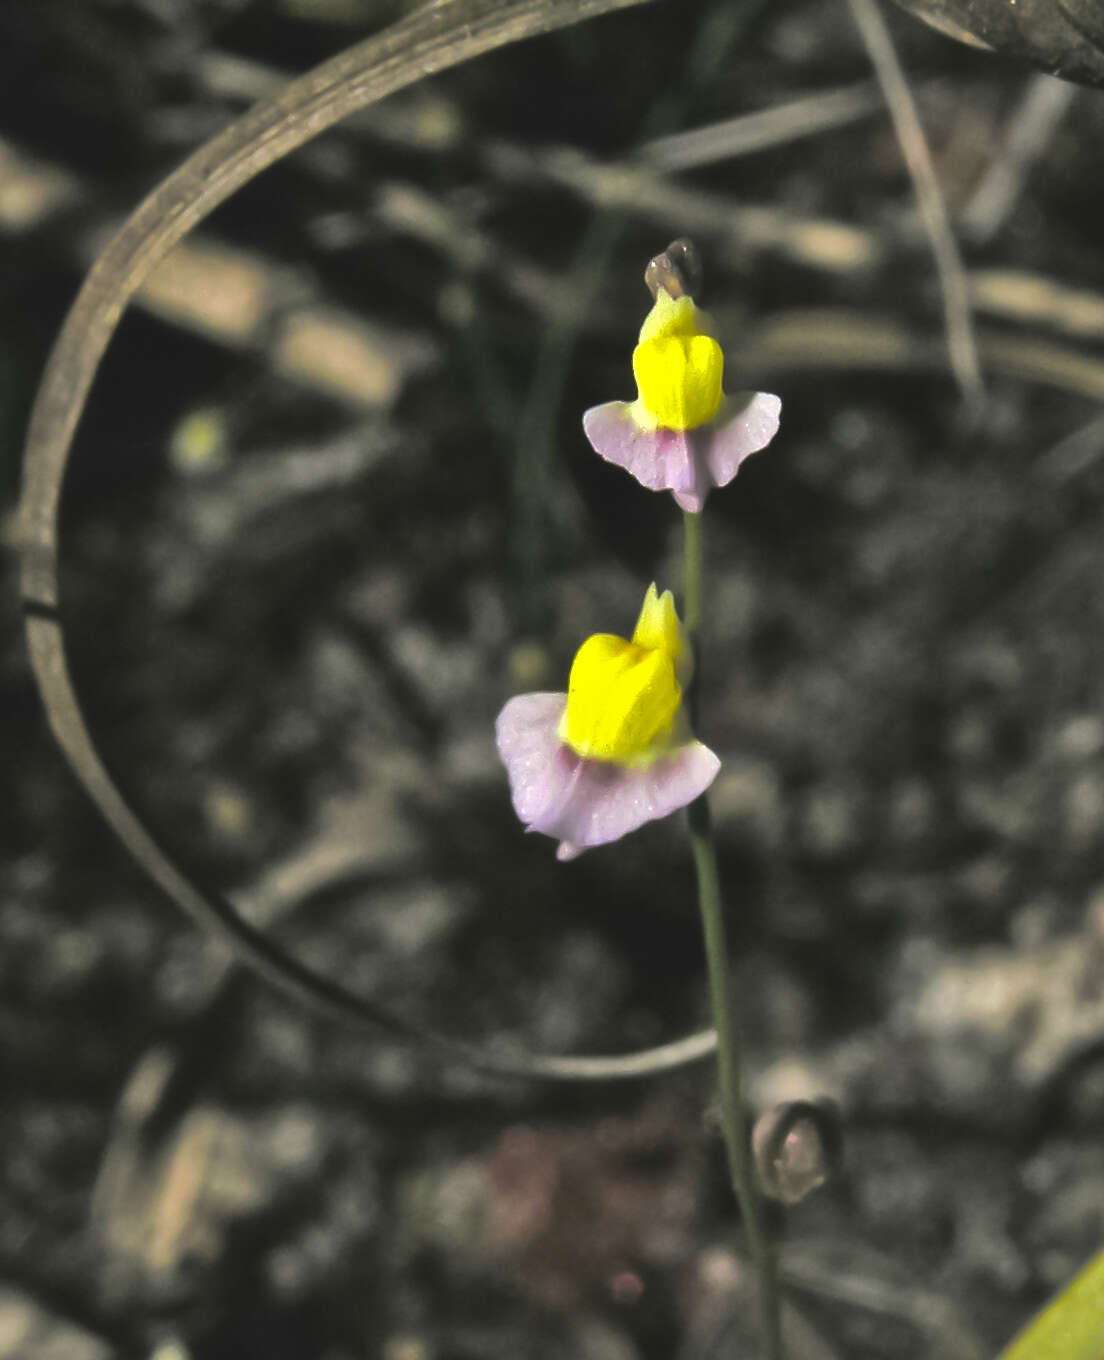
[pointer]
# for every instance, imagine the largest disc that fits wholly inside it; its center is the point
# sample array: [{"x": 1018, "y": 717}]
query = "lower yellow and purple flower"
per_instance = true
[
  {"x": 616, "y": 750},
  {"x": 682, "y": 434}
]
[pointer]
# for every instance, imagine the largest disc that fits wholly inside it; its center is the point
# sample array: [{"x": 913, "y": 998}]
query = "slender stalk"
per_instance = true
[
  {"x": 692, "y": 555},
  {"x": 729, "y": 1063}
]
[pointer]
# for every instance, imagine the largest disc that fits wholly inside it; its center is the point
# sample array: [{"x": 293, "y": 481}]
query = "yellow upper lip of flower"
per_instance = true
[
  {"x": 624, "y": 697},
  {"x": 678, "y": 366}
]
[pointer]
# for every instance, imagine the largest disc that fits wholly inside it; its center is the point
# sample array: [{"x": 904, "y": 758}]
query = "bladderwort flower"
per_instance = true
[
  {"x": 681, "y": 434},
  {"x": 616, "y": 750}
]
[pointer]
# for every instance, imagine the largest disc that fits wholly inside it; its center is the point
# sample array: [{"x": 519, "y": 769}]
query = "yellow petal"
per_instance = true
[
  {"x": 658, "y": 625},
  {"x": 679, "y": 379},
  {"x": 622, "y": 700},
  {"x": 674, "y": 316}
]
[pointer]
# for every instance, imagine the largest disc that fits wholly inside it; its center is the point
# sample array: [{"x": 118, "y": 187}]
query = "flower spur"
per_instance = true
[{"x": 616, "y": 750}]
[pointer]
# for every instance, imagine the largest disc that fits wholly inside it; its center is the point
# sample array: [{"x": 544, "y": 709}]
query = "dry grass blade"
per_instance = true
[
  {"x": 861, "y": 1282},
  {"x": 817, "y": 242},
  {"x": 961, "y": 343},
  {"x": 1073, "y": 455},
  {"x": 784, "y": 123},
  {"x": 1033, "y": 123},
  {"x": 841, "y": 338}
]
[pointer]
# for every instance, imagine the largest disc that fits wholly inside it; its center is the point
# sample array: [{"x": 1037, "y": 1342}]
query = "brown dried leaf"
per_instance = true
[{"x": 1064, "y": 37}]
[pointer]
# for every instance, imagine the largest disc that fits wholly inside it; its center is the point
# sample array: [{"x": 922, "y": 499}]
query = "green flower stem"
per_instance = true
[
  {"x": 693, "y": 557},
  {"x": 729, "y": 1065}
]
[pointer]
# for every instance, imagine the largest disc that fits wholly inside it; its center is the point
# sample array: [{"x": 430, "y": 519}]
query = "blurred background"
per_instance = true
[{"x": 331, "y": 505}]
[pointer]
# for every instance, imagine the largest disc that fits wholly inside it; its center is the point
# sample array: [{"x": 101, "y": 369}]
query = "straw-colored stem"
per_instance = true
[{"x": 962, "y": 347}]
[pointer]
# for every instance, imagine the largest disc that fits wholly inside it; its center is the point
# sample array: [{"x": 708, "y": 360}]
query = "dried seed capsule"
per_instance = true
[
  {"x": 797, "y": 1147},
  {"x": 677, "y": 270}
]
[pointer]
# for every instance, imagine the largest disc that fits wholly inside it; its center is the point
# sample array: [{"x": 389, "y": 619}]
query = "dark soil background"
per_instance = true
[{"x": 331, "y": 504}]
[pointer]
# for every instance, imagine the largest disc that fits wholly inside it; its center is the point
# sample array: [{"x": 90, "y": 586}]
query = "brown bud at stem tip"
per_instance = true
[
  {"x": 797, "y": 1147},
  {"x": 677, "y": 270}
]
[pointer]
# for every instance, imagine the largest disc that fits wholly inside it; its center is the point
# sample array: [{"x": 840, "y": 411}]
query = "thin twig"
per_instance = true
[{"x": 961, "y": 342}]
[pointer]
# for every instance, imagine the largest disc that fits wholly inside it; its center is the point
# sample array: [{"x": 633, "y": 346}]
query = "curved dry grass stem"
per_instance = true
[
  {"x": 961, "y": 343},
  {"x": 443, "y": 34}
]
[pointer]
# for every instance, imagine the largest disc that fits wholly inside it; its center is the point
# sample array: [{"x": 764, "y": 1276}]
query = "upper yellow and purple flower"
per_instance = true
[
  {"x": 616, "y": 750},
  {"x": 681, "y": 434}
]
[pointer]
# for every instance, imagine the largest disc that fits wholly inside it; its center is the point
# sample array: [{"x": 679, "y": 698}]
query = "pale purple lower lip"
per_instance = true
[
  {"x": 584, "y": 803},
  {"x": 685, "y": 462}
]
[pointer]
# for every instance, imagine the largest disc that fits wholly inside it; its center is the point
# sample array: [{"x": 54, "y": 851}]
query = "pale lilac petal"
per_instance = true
[
  {"x": 661, "y": 460},
  {"x": 685, "y": 462},
  {"x": 746, "y": 423},
  {"x": 526, "y": 735},
  {"x": 609, "y": 801},
  {"x": 588, "y": 802},
  {"x": 694, "y": 501}
]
